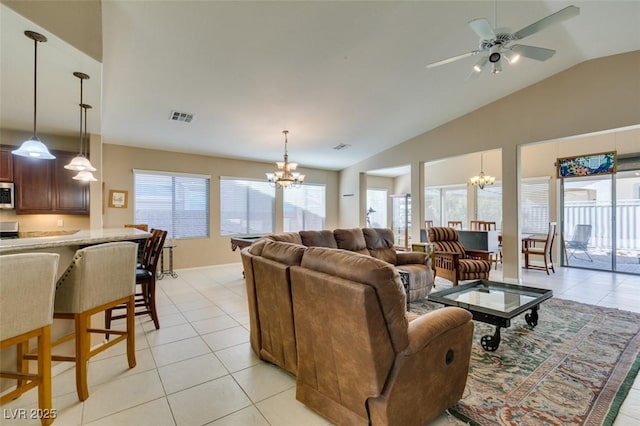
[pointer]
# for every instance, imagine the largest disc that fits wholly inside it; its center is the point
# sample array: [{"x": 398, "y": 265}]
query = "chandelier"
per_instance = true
[
  {"x": 482, "y": 180},
  {"x": 285, "y": 176}
]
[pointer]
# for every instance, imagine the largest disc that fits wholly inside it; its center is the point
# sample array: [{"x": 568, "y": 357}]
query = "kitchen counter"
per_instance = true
[{"x": 79, "y": 238}]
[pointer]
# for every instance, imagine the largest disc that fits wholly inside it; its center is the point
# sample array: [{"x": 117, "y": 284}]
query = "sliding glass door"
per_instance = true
[{"x": 601, "y": 222}]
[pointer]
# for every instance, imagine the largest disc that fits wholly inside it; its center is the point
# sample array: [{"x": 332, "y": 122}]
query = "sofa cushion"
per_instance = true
[
  {"x": 286, "y": 253},
  {"x": 286, "y": 237},
  {"x": 376, "y": 273},
  {"x": 323, "y": 238},
  {"x": 380, "y": 244},
  {"x": 351, "y": 239}
]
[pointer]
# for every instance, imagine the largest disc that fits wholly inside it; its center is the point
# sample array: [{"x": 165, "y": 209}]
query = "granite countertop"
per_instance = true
[{"x": 76, "y": 238}]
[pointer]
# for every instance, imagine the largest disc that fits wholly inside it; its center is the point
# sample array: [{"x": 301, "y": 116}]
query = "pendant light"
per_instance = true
[
  {"x": 85, "y": 175},
  {"x": 482, "y": 180},
  {"x": 33, "y": 147},
  {"x": 80, "y": 162}
]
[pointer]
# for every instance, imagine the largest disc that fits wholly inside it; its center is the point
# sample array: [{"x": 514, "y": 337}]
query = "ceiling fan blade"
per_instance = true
[
  {"x": 532, "y": 52},
  {"x": 454, "y": 58},
  {"x": 559, "y": 16},
  {"x": 482, "y": 27}
]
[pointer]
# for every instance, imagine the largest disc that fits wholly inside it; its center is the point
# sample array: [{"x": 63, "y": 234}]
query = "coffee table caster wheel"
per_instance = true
[
  {"x": 491, "y": 343},
  {"x": 532, "y": 318}
]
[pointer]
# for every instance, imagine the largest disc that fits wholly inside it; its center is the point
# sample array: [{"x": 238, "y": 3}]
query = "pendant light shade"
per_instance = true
[
  {"x": 85, "y": 175},
  {"x": 34, "y": 147},
  {"x": 80, "y": 162}
]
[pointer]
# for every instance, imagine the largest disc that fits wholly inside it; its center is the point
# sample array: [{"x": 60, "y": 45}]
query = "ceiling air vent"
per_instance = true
[
  {"x": 181, "y": 116},
  {"x": 341, "y": 146}
]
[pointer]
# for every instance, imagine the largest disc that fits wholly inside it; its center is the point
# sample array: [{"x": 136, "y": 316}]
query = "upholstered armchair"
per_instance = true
[
  {"x": 452, "y": 261},
  {"x": 380, "y": 243}
]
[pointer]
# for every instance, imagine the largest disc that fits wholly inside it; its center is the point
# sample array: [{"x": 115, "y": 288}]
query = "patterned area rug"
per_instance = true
[{"x": 575, "y": 368}]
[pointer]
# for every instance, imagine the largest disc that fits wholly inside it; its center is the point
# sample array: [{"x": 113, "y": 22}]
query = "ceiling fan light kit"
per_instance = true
[{"x": 495, "y": 45}]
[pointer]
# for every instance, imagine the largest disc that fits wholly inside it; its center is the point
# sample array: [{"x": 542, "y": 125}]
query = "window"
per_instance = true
[
  {"x": 247, "y": 207},
  {"x": 377, "y": 201},
  {"x": 304, "y": 207},
  {"x": 489, "y": 204},
  {"x": 446, "y": 203},
  {"x": 432, "y": 207},
  {"x": 175, "y": 202},
  {"x": 534, "y": 210}
]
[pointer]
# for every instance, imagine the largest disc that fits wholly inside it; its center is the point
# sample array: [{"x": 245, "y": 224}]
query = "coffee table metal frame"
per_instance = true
[{"x": 495, "y": 317}]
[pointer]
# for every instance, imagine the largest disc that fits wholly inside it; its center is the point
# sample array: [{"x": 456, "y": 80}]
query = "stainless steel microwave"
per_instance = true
[{"x": 7, "y": 195}]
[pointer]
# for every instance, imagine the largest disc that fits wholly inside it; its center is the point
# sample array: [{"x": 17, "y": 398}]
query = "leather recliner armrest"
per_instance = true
[
  {"x": 424, "y": 329},
  {"x": 411, "y": 257}
]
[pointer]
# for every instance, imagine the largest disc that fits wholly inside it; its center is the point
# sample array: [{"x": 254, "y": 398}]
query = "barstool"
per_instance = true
[
  {"x": 99, "y": 278},
  {"x": 26, "y": 311},
  {"x": 146, "y": 274}
]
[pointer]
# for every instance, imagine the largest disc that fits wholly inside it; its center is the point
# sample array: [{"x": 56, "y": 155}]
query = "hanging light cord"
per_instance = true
[{"x": 35, "y": 88}]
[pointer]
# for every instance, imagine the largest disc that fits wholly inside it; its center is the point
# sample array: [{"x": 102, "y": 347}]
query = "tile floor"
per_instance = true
[{"x": 199, "y": 369}]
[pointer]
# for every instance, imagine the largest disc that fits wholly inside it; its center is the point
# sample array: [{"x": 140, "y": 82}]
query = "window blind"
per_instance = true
[
  {"x": 304, "y": 207},
  {"x": 247, "y": 207},
  {"x": 175, "y": 202},
  {"x": 534, "y": 210}
]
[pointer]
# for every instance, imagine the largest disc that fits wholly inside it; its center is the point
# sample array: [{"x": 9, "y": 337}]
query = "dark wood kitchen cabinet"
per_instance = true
[
  {"x": 6, "y": 164},
  {"x": 46, "y": 187}
]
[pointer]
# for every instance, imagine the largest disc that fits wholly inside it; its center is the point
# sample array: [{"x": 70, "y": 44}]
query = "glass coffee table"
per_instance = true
[{"x": 494, "y": 303}]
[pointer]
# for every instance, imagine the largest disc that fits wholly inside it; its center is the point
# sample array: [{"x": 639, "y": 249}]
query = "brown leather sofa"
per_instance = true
[{"x": 359, "y": 357}]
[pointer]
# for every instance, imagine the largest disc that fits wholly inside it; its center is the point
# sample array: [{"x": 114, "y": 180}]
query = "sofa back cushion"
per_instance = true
[
  {"x": 285, "y": 237},
  {"x": 351, "y": 239},
  {"x": 323, "y": 238},
  {"x": 377, "y": 274},
  {"x": 286, "y": 253},
  {"x": 380, "y": 244}
]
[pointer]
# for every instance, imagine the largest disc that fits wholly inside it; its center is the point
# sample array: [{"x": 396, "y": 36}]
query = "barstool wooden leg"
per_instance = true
[
  {"x": 22, "y": 365},
  {"x": 131, "y": 331},
  {"x": 44, "y": 371},
  {"x": 82, "y": 322}
]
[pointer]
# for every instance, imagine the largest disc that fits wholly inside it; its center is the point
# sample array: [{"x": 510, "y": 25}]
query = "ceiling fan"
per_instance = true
[{"x": 495, "y": 42}]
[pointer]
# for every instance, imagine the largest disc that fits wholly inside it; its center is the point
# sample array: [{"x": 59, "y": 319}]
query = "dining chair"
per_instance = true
[
  {"x": 26, "y": 312},
  {"x": 146, "y": 274},
  {"x": 99, "y": 277},
  {"x": 428, "y": 224},
  {"x": 545, "y": 252},
  {"x": 455, "y": 224}
]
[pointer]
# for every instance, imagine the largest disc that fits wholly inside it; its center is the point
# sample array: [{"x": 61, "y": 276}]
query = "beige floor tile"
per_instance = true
[
  {"x": 153, "y": 413},
  {"x": 178, "y": 351},
  {"x": 207, "y": 402},
  {"x": 170, "y": 334},
  {"x": 203, "y": 313},
  {"x": 226, "y": 338},
  {"x": 264, "y": 380},
  {"x": 238, "y": 357},
  {"x": 122, "y": 394},
  {"x": 166, "y": 320},
  {"x": 249, "y": 416},
  {"x": 284, "y": 410},
  {"x": 218, "y": 323},
  {"x": 115, "y": 367},
  {"x": 190, "y": 372}
]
